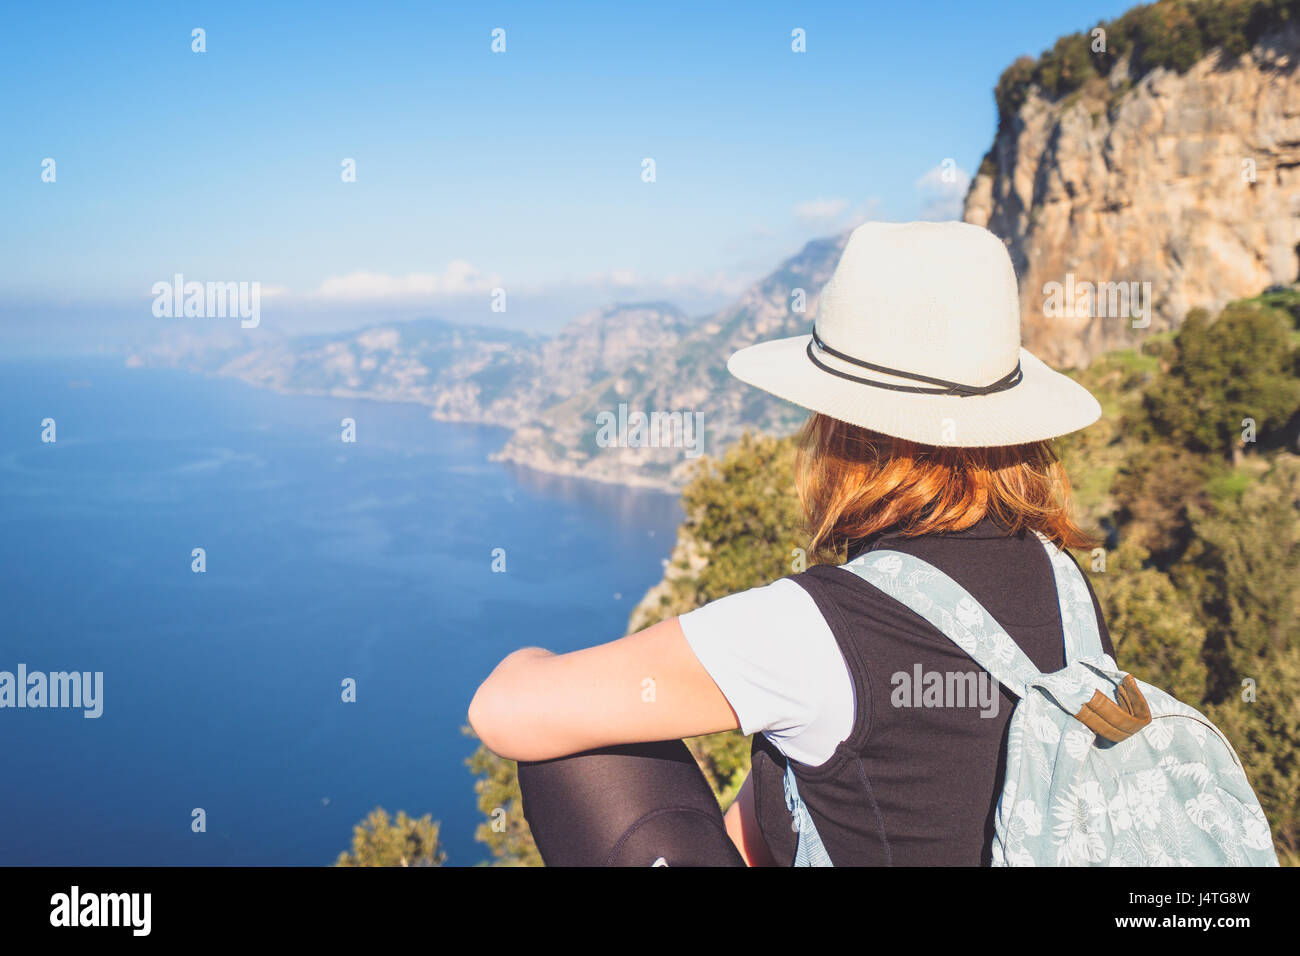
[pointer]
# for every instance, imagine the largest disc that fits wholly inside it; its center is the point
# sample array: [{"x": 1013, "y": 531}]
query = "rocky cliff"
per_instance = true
[{"x": 1168, "y": 162}]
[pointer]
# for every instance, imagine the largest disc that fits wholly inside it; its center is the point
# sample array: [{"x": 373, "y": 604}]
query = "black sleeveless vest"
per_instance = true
[{"x": 916, "y": 785}]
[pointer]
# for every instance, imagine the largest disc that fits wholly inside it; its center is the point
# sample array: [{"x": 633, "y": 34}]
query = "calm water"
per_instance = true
[{"x": 325, "y": 560}]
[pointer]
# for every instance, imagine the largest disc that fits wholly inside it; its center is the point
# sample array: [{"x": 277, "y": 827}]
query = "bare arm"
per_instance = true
[
  {"x": 742, "y": 827},
  {"x": 648, "y": 686}
]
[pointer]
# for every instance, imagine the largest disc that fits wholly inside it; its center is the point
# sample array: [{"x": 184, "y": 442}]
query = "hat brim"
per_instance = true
[{"x": 1044, "y": 404}]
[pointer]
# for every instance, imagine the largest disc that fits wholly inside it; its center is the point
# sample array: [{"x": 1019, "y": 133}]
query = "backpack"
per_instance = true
[{"x": 1102, "y": 769}]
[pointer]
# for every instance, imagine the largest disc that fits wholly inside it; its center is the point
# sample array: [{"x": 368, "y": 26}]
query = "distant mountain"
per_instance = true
[
  {"x": 688, "y": 376},
  {"x": 463, "y": 372},
  {"x": 647, "y": 357},
  {"x": 429, "y": 361}
]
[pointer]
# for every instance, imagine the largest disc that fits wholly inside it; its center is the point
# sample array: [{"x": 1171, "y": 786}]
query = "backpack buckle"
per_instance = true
[{"x": 1116, "y": 721}]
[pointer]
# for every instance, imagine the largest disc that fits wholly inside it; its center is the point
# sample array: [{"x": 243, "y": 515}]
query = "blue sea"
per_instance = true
[{"x": 325, "y": 560}]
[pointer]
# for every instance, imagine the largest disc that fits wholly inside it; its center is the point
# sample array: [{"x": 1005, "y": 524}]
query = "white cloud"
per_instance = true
[
  {"x": 942, "y": 191},
  {"x": 867, "y": 209},
  {"x": 458, "y": 278},
  {"x": 624, "y": 277},
  {"x": 820, "y": 211},
  {"x": 819, "y": 217},
  {"x": 714, "y": 283}
]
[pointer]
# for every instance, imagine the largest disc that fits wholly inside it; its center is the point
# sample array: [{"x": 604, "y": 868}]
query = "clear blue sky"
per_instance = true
[{"x": 476, "y": 168}]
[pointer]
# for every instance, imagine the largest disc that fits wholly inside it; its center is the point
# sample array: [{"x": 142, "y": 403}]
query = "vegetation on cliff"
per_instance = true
[{"x": 1169, "y": 33}]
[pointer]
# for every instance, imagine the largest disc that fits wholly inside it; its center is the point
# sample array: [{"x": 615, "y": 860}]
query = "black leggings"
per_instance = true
[{"x": 631, "y": 805}]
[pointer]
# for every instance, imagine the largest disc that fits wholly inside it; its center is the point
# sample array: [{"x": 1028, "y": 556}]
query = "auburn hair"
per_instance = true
[{"x": 854, "y": 483}]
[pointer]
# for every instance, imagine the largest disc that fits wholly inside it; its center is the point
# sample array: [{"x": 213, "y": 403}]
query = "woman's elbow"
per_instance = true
[
  {"x": 485, "y": 719},
  {"x": 498, "y": 714}
]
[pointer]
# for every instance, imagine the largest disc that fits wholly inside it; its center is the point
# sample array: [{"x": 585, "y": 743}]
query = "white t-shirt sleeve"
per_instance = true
[{"x": 774, "y": 658}]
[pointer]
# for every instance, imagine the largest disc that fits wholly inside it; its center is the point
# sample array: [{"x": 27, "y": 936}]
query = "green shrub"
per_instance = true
[{"x": 1173, "y": 34}]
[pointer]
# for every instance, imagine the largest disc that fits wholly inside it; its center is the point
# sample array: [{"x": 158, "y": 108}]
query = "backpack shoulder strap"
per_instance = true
[
  {"x": 951, "y": 609},
  {"x": 1078, "y": 615}
]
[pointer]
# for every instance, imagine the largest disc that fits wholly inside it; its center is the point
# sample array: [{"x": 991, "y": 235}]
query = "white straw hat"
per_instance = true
[{"x": 918, "y": 336}]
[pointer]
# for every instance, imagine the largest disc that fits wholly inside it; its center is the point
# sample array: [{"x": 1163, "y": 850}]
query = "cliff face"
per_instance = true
[{"x": 1187, "y": 181}]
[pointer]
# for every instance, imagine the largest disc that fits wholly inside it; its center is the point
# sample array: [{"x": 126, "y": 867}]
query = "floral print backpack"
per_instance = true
[{"x": 1102, "y": 769}]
